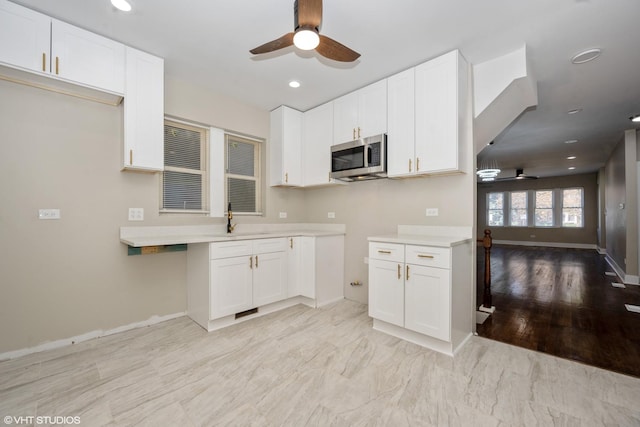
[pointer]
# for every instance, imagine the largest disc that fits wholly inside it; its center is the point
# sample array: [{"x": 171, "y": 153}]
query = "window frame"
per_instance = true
[
  {"x": 488, "y": 210},
  {"x": 581, "y": 207},
  {"x": 552, "y": 208},
  {"x": 525, "y": 209},
  {"x": 204, "y": 168},
  {"x": 257, "y": 177}
]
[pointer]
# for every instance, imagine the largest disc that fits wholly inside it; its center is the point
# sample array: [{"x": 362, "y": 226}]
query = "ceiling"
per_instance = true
[{"x": 207, "y": 42}]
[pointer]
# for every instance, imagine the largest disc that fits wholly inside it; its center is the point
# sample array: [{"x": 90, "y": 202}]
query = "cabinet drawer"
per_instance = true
[
  {"x": 428, "y": 256},
  {"x": 263, "y": 246},
  {"x": 234, "y": 248},
  {"x": 386, "y": 251}
]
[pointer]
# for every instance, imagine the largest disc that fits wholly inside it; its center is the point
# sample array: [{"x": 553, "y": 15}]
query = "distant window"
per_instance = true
[
  {"x": 242, "y": 174},
  {"x": 544, "y": 208},
  {"x": 495, "y": 210},
  {"x": 518, "y": 211},
  {"x": 184, "y": 180},
  {"x": 572, "y": 207}
]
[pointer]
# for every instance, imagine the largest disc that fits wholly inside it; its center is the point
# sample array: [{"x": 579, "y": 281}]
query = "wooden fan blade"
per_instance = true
[
  {"x": 282, "y": 42},
  {"x": 331, "y": 49},
  {"x": 308, "y": 13}
]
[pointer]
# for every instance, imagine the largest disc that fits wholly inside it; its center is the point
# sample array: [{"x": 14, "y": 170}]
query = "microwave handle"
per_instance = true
[{"x": 368, "y": 157}]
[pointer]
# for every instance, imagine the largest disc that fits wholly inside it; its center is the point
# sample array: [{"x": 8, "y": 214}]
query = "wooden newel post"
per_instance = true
[{"x": 486, "y": 298}]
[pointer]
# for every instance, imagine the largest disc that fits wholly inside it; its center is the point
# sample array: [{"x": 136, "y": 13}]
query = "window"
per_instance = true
[
  {"x": 562, "y": 207},
  {"x": 572, "y": 207},
  {"x": 518, "y": 212},
  {"x": 495, "y": 211},
  {"x": 184, "y": 180},
  {"x": 544, "y": 208},
  {"x": 242, "y": 174}
]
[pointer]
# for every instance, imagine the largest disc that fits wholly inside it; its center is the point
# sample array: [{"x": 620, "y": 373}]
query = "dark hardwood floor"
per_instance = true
[{"x": 560, "y": 302}]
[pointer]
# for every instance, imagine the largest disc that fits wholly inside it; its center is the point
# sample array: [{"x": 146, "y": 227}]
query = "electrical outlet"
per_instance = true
[
  {"x": 331, "y": 215},
  {"x": 136, "y": 214},
  {"x": 48, "y": 213},
  {"x": 432, "y": 212},
  {"x": 283, "y": 214}
]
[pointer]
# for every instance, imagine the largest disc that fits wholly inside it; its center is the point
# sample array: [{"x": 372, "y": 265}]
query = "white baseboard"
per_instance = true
[
  {"x": 627, "y": 279},
  {"x": 547, "y": 244},
  {"x": 88, "y": 336}
]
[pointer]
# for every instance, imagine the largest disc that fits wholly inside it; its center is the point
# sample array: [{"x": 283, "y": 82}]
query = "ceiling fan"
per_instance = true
[
  {"x": 519, "y": 175},
  {"x": 306, "y": 35}
]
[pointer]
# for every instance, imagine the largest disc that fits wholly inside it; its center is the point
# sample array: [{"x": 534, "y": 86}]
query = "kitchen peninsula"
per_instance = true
[{"x": 256, "y": 270}]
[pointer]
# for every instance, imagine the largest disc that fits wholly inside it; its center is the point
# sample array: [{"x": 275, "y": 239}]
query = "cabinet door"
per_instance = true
[
  {"x": 87, "y": 58},
  {"x": 285, "y": 149},
  {"x": 24, "y": 37},
  {"x": 437, "y": 114},
  {"x": 317, "y": 136},
  {"x": 231, "y": 286},
  {"x": 372, "y": 109},
  {"x": 401, "y": 121},
  {"x": 386, "y": 291},
  {"x": 269, "y": 278},
  {"x": 428, "y": 301},
  {"x": 144, "y": 111},
  {"x": 294, "y": 260},
  {"x": 307, "y": 284},
  {"x": 345, "y": 118}
]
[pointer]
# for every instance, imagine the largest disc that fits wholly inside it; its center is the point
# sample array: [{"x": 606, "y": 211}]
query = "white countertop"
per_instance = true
[
  {"x": 175, "y": 235},
  {"x": 422, "y": 240}
]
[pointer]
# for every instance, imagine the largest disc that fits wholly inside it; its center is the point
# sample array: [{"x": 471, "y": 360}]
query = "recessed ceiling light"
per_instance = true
[
  {"x": 571, "y": 141},
  {"x": 586, "y": 56},
  {"x": 574, "y": 111},
  {"x": 294, "y": 83},
  {"x": 122, "y": 5},
  {"x": 635, "y": 119},
  {"x": 572, "y": 168},
  {"x": 571, "y": 157}
]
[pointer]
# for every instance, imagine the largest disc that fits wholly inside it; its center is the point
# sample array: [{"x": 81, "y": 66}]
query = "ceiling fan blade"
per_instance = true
[
  {"x": 308, "y": 13},
  {"x": 331, "y": 49},
  {"x": 282, "y": 42}
]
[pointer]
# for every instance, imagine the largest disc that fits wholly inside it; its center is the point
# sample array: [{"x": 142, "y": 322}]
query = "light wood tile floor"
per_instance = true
[{"x": 303, "y": 366}]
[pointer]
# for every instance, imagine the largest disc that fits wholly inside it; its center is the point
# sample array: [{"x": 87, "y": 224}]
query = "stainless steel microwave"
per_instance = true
[{"x": 362, "y": 159}]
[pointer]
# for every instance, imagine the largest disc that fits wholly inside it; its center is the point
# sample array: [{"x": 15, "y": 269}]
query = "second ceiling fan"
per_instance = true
[{"x": 306, "y": 35}]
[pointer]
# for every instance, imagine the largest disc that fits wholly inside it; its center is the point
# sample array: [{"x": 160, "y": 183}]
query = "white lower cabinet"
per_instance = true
[
  {"x": 227, "y": 279},
  {"x": 412, "y": 294}
]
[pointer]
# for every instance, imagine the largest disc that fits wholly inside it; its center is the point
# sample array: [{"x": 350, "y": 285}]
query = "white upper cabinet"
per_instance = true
[
  {"x": 427, "y": 112},
  {"x": 361, "y": 113},
  {"x": 317, "y": 134},
  {"x": 401, "y": 123},
  {"x": 143, "y": 112},
  {"x": 285, "y": 145},
  {"x": 441, "y": 93},
  {"x": 24, "y": 37},
  {"x": 39, "y": 44},
  {"x": 87, "y": 58}
]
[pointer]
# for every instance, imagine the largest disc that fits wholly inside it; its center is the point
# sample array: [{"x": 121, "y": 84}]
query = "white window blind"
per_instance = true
[
  {"x": 243, "y": 174},
  {"x": 184, "y": 180}
]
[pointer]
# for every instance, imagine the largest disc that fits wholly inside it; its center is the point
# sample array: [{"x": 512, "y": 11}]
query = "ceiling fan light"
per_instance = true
[
  {"x": 306, "y": 39},
  {"x": 488, "y": 172},
  {"x": 122, "y": 5},
  {"x": 635, "y": 119}
]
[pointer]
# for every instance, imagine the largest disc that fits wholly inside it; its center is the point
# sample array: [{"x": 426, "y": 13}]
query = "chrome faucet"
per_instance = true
[{"x": 230, "y": 226}]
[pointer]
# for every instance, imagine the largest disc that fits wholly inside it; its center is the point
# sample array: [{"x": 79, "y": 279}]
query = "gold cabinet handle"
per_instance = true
[
  {"x": 291, "y": 242},
  {"x": 417, "y": 164},
  {"x": 354, "y": 133},
  {"x": 358, "y": 132},
  {"x": 131, "y": 157},
  {"x": 57, "y": 65},
  {"x": 425, "y": 256},
  {"x": 251, "y": 262},
  {"x": 383, "y": 252},
  {"x": 256, "y": 261},
  {"x": 286, "y": 178},
  {"x": 44, "y": 61},
  {"x": 399, "y": 269},
  {"x": 409, "y": 165},
  {"x": 407, "y": 275},
  {"x": 329, "y": 177}
]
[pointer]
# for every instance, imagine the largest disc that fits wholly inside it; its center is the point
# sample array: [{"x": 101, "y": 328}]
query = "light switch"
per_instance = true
[
  {"x": 432, "y": 212},
  {"x": 49, "y": 214},
  {"x": 331, "y": 215},
  {"x": 283, "y": 214}
]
